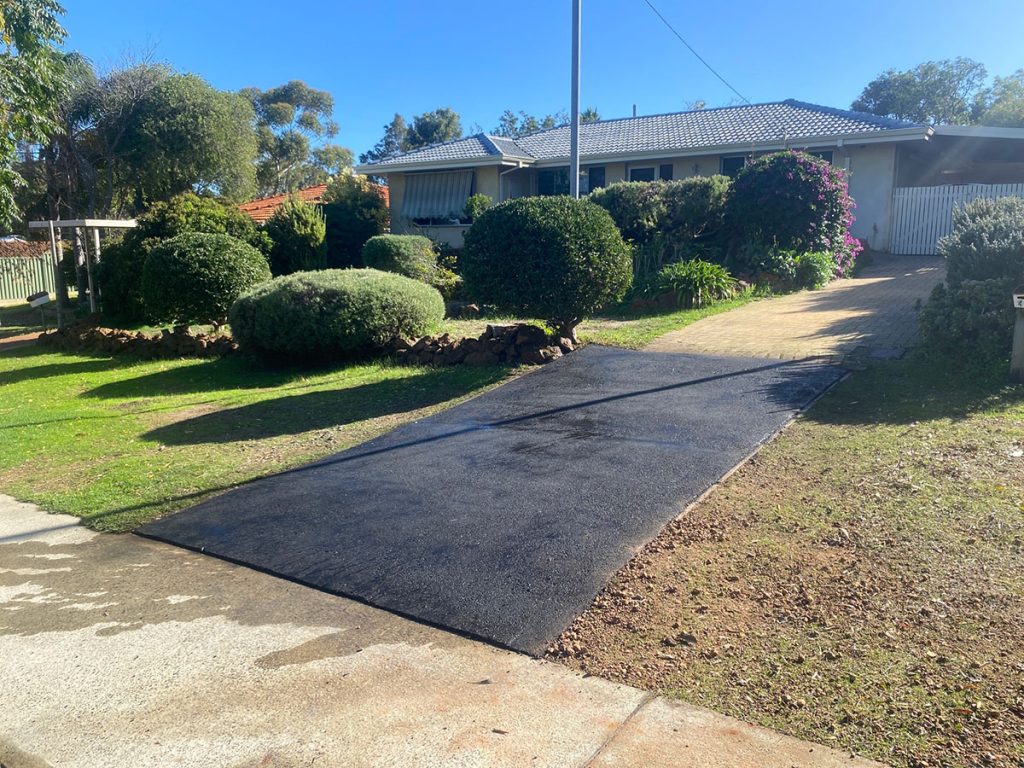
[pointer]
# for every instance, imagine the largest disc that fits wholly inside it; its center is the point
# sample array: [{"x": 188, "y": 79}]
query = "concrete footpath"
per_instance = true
[{"x": 117, "y": 651}]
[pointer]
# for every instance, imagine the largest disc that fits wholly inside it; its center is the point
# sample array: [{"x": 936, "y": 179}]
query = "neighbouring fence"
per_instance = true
[
  {"x": 21, "y": 276},
  {"x": 921, "y": 215}
]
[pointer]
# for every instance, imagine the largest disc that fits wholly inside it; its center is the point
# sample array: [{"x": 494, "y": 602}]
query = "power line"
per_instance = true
[{"x": 690, "y": 47}]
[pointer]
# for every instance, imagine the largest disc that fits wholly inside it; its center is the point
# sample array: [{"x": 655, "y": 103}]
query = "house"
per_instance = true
[
  {"x": 894, "y": 167},
  {"x": 262, "y": 209}
]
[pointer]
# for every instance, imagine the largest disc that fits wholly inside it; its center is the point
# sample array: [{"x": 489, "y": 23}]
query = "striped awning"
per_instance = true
[{"x": 436, "y": 195}]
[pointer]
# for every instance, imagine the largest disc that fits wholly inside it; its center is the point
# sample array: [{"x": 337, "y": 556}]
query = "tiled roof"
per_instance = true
[
  {"x": 775, "y": 122},
  {"x": 262, "y": 209}
]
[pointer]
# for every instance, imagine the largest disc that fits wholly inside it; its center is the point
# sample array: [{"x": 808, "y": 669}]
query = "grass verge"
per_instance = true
[
  {"x": 120, "y": 441},
  {"x": 859, "y": 583}
]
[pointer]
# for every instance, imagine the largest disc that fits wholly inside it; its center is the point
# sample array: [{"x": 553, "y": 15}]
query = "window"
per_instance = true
[
  {"x": 732, "y": 165},
  {"x": 824, "y": 154},
  {"x": 641, "y": 174},
  {"x": 436, "y": 198},
  {"x": 665, "y": 172},
  {"x": 553, "y": 181},
  {"x": 595, "y": 178}
]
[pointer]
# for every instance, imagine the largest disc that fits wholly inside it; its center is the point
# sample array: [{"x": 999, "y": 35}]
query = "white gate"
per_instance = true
[{"x": 921, "y": 215}]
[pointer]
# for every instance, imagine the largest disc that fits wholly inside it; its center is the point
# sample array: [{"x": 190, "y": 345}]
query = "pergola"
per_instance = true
[{"x": 57, "y": 250}]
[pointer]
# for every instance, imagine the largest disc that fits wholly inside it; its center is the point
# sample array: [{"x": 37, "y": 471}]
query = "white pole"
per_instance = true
[
  {"x": 57, "y": 278},
  {"x": 574, "y": 129}
]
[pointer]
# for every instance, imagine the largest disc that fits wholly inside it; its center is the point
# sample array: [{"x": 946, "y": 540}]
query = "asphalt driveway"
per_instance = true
[{"x": 503, "y": 517}]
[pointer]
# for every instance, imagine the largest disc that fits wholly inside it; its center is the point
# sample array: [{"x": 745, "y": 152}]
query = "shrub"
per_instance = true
[
  {"x": 554, "y": 258},
  {"x": 194, "y": 278},
  {"x": 297, "y": 230},
  {"x": 334, "y": 313},
  {"x": 795, "y": 202},
  {"x": 119, "y": 274},
  {"x": 409, "y": 255},
  {"x": 971, "y": 321},
  {"x": 813, "y": 270},
  {"x": 413, "y": 256},
  {"x": 476, "y": 205},
  {"x": 694, "y": 209},
  {"x": 696, "y": 283},
  {"x": 987, "y": 241},
  {"x": 355, "y": 211},
  {"x": 972, "y": 317},
  {"x": 636, "y": 207}
]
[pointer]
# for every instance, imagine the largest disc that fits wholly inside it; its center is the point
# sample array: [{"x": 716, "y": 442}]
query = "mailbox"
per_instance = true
[{"x": 38, "y": 299}]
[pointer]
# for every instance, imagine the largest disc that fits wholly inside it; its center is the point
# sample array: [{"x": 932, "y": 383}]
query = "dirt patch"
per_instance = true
[{"x": 856, "y": 584}]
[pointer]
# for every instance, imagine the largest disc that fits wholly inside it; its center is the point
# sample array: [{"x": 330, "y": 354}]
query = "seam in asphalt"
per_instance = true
[{"x": 646, "y": 699}]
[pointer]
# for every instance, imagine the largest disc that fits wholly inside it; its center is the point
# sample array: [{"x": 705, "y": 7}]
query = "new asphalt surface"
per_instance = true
[{"x": 503, "y": 517}]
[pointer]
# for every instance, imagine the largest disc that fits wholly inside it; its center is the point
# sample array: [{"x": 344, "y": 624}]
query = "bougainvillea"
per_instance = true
[{"x": 795, "y": 201}]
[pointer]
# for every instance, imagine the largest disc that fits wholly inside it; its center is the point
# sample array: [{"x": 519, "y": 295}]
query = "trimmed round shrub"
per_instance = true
[
  {"x": 409, "y": 255},
  {"x": 333, "y": 314},
  {"x": 796, "y": 202},
  {"x": 194, "y": 278},
  {"x": 297, "y": 230},
  {"x": 119, "y": 273},
  {"x": 987, "y": 241},
  {"x": 695, "y": 283},
  {"x": 356, "y": 211},
  {"x": 636, "y": 207},
  {"x": 554, "y": 258}
]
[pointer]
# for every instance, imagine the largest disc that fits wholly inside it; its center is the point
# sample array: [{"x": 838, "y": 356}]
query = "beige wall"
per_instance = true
[{"x": 872, "y": 169}]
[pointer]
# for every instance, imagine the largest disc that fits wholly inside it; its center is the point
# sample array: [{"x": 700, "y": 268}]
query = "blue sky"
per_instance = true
[{"x": 409, "y": 56}]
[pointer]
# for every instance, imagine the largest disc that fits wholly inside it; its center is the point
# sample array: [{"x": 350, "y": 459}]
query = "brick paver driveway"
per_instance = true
[{"x": 869, "y": 316}]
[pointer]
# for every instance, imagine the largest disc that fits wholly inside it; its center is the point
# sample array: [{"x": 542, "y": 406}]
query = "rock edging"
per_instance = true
[
  {"x": 517, "y": 344},
  {"x": 168, "y": 344}
]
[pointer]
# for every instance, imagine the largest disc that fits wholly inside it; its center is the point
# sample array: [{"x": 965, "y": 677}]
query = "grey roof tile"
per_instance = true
[{"x": 678, "y": 131}]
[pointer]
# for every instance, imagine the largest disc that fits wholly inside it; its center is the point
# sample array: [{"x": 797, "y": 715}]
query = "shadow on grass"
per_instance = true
[
  {"x": 295, "y": 414},
  {"x": 217, "y": 374},
  {"x": 917, "y": 388}
]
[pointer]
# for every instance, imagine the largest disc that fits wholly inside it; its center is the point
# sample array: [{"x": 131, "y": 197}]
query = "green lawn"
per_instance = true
[
  {"x": 119, "y": 441},
  {"x": 621, "y": 328},
  {"x": 859, "y": 583}
]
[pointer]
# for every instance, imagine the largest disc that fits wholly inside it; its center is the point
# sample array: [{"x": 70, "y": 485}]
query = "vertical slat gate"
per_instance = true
[{"x": 922, "y": 215}]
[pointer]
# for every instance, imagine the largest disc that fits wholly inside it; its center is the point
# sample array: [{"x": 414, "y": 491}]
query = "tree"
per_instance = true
[
  {"x": 512, "y": 126},
  {"x": 30, "y": 80},
  {"x": 190, "y": 136},
  {"x": 434, "y": 127},
  {"x": 1003, "y": 103},
  {"x": 391, "y": 144},
  {"x": 933, "y": 92},
  {"x": 288, "y": 118},
  {"x": 355, "y": 212}
]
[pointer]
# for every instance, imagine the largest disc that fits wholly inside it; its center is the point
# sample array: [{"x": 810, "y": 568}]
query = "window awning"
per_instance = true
[{"x": 436, "y": 195}]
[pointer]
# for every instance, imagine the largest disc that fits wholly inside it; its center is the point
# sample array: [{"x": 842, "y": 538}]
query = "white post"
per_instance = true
[
  {"x": 57, "y": 277},
  {"x": 1017, "y": 356},
  {"x": 574, "y": 129}
]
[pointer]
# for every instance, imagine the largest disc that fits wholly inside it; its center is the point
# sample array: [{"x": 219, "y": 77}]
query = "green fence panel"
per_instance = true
[{"x": 21, "y": 277}]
